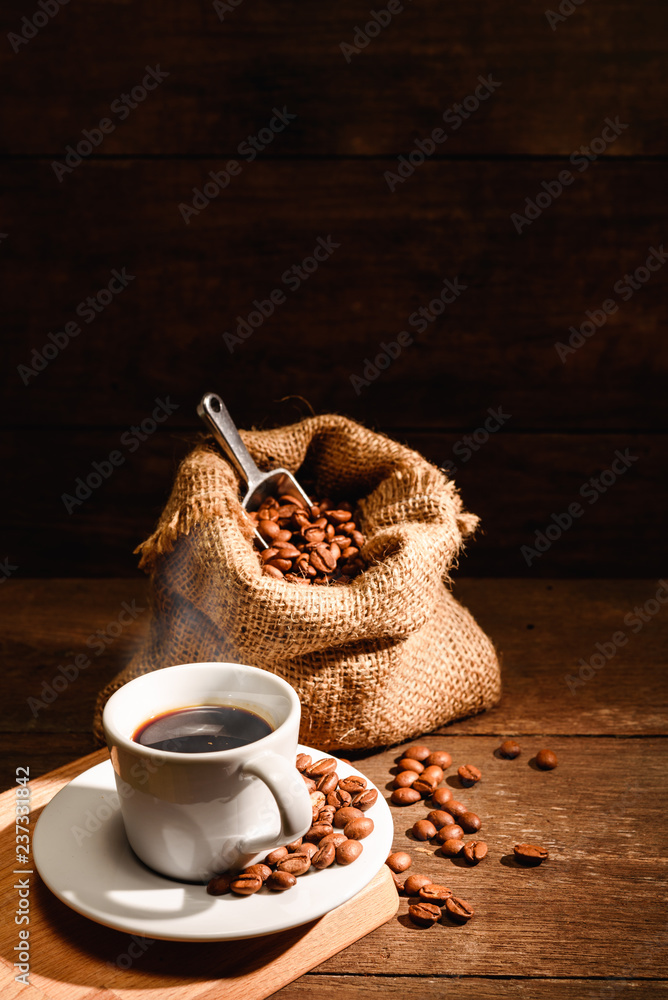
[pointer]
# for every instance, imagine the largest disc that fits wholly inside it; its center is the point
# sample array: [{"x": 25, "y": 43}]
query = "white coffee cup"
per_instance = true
[{"x": 192, "y": 815}]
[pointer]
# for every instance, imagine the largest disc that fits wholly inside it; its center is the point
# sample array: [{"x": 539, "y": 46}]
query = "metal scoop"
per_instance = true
[{"x": 259, "y": 485}]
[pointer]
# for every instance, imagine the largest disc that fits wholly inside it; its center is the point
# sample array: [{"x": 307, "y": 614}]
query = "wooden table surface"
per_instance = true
[{"x": 592, "y": 921}]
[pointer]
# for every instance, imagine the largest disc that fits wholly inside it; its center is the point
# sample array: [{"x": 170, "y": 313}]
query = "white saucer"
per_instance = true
[{"x": 81, "y": 852}]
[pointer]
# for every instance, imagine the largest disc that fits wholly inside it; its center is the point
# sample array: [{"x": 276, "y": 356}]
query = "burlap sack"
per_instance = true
[{"x": 383, "y": 659}]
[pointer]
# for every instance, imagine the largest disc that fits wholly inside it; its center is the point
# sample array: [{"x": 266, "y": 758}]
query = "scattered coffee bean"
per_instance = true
[
  {"x": 324, "y": 856},
  {"x": 423, "y": 830},
  {"x": 451, "y": 848},
  {"x": 458, "y": 909},
  {"x": 405, "y": 796},
  {"x": 424, "y": 788},
  {"x": 398, "y": 881},
  {"x": 440, "y": 758},
  {"x": 416, "y": 752},
  {"x": 406, "y": 764},
  {"x": 452, "y": 832},
  {"x": 469, "y": 774},
  {"x": 474, "y": 851},
  {"x": 358, "y": 829},
  {"x": 530, "y": 854},
  {"x": 455, "y": 808},
  {"x": 441, "y": 796},
  {"x": 414, "y": 883},
  {"x": 399, "y": 861},
  {"x": 440, "y": 818},
  {"x": 510, "y": 749},
  {"x": 364, "y": 800},
  {"x": 546, "y": 760},
  {"x": 433, "y": 775},
  {"x": 279, "y": 881},
  {"x": 220, "y": 884},
  {"x": 348, "y": 851},
  {"x": 405, "y": 779},
  {"x": 424, "y": 914},
  {"x": 470, "y": 822},
  {"x": 436, "y": 894}
]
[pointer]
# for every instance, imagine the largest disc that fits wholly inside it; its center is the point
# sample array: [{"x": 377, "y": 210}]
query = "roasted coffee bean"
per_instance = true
[
  {"x": 308, "y": 847},
  {"x": 432, "y": 774},
  {"x": 324, "y": 856},
  {"x": 317, "y": 802},
  {"x": 546, "y": 760},
  {"x": 398, "y": 881},
  {"x": 469, "y": 774},
  {"x": 268, "y": 529},
  {"x": 510, "y": 749},
  {"x": 220, "y": 884},
  {"x": 455, "y": 808},
  {"x": 343, "y": 816},
  {"x": 303, "y": 762},
  {"x": 451, "y": 832},
  {"x": 359, "y": 828},
  {"x": 364, "y": 800},
  {"x": 405, "y": 796},
  {"x": 414, "y": 883},
  {"x": 423, "y": 830},
  {"x": 342, "y": 541},
  {"x": 436, "y": 894},
  {"x": 259, "y": 870},
  {"x": 277, "y": 563},
  {"x": 348, "y": 851},
  {"x": 272, "y": 571},
  {"x": 333, "y": 838},
  {"x": 530, "y": 854},
  {"x": 425, "y": 788},
  {"x": 424, "y": 914},
  {"x": 327, "y": 783},
  {"x": 338, "y": 516},
  {"x": 416, "y": 752},
  {"x": 280, "y": 881},
  {"x": 406, "y": 764},
  {"x": 283, "y": 536},
  {"x": 452, "y": 847},
  {"x": 294, "y": 578},
  {"x": 474, "y": 851},
  {"x": 317, "y": 832},
  {"x": 458, "y": 909},
  {"x": 399, "y": 861},
  {"x": 405, "y": 779},
  {"x": 440, "y": 818},
  {"x": 353, "y": 784},
  {"x": 440, "y": 797},
  {"x": 246, "y": 885},
  {"x": 309, "y": 782},
  {"x": 439, "y": 758},
  {"x": 295, "y": 864},
  {"x": 276, "y": 856},
  {"x": 326, "y": 765},
  {"x": 294, "y": 845},
  {"x": 339, "y": 798},
  {"x": 326, "y": 815},
  {"x": 358, "y": 538},
  {"x": 268, "y": 554},
  {"x": 470, "y": 822},
  {"x": 287, "y": 550}
]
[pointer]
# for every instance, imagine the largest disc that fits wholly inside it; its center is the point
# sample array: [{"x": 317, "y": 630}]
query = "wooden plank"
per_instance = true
[
  {"x": 493, "y": 346},
  {"x": 535, "y": 476},
  {"x": 72, "y": 958},
  {"x": 541, "y": 628},
  {"x": 431, "y": 987},
  {"x": 225, "y": 76}
]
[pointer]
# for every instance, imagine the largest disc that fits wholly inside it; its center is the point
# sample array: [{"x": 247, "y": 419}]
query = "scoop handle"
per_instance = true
[{"x": 216, "y": 417}]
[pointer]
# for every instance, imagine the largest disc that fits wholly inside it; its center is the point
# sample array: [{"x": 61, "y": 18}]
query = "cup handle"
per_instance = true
[{"x": 292, "y": 798}]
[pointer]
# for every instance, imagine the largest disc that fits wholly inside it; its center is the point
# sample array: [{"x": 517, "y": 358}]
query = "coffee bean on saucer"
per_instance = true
[
  {"x": 246, "y": 885},
  {"x": 353, "y": 784},
  {"x": 452, "y": 848},
  {"x": 405, "y": 779},
  {"x": 399, "y": 861},
  {"x": 406, "y": 764},
  {"x": 309, "y": 848},
  {"x": 259, "y": 870},
  {"x": 546, "y": 760},
  {"x": 345, "y": 814},
  {"x": 423, "y": 830},
  {"x": 530, "y": 854},
  {"x": 275, "y": 856},
  {"x": 510, "y": 749},
  {"x": 416, "y": 752},
  {"x": 470, "y": 822},
  {"x": 333, "y": 838},
  {"x": 220, "y": 884},
  {"x": 317, "y": 832},
  {"x": 364, "y": 800},
  {"x": 303, "y": 762},
  {"x": 458, "y": 909},
  {"x": 469, "y": 774},
  {"x": 318, "y": 800},
  {"x": 348, "y": 851},
  {"x": 280, "y": 881},
  {"x": 405, "y": 796},
  {"x": 424, "y": 914},
  {"x": 452, "y": 832},
  {"x": 440, "y": 797},
  {"x": 414, "y": 883},
  {"x": 324, "y": 766},
  {"x": 339, "y": 798},
  {"x": 358, "y": 829},
  {"x": 324, "y": 857},
  {"x": 474, "y": 851},
  {"x": 440, "y": 758},
  {"x": 294, "y": 845},
  {"x": 327, "y": 783},
  {"x": 295, "y": 864},
  {"x": 436, "y": 894}
]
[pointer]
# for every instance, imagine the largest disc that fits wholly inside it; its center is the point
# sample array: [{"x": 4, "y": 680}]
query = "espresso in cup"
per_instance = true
[{"x": 202, "y": 729}]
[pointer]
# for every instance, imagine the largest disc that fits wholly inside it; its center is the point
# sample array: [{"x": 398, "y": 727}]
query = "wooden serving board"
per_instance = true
[{"x": 73, "y": 958}]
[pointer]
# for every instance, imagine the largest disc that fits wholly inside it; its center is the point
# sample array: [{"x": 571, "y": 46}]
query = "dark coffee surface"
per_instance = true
[{"x": 202, "y": 729}]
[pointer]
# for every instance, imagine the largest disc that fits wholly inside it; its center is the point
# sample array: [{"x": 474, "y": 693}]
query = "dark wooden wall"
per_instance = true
[{"x": 323, "y": 176}]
